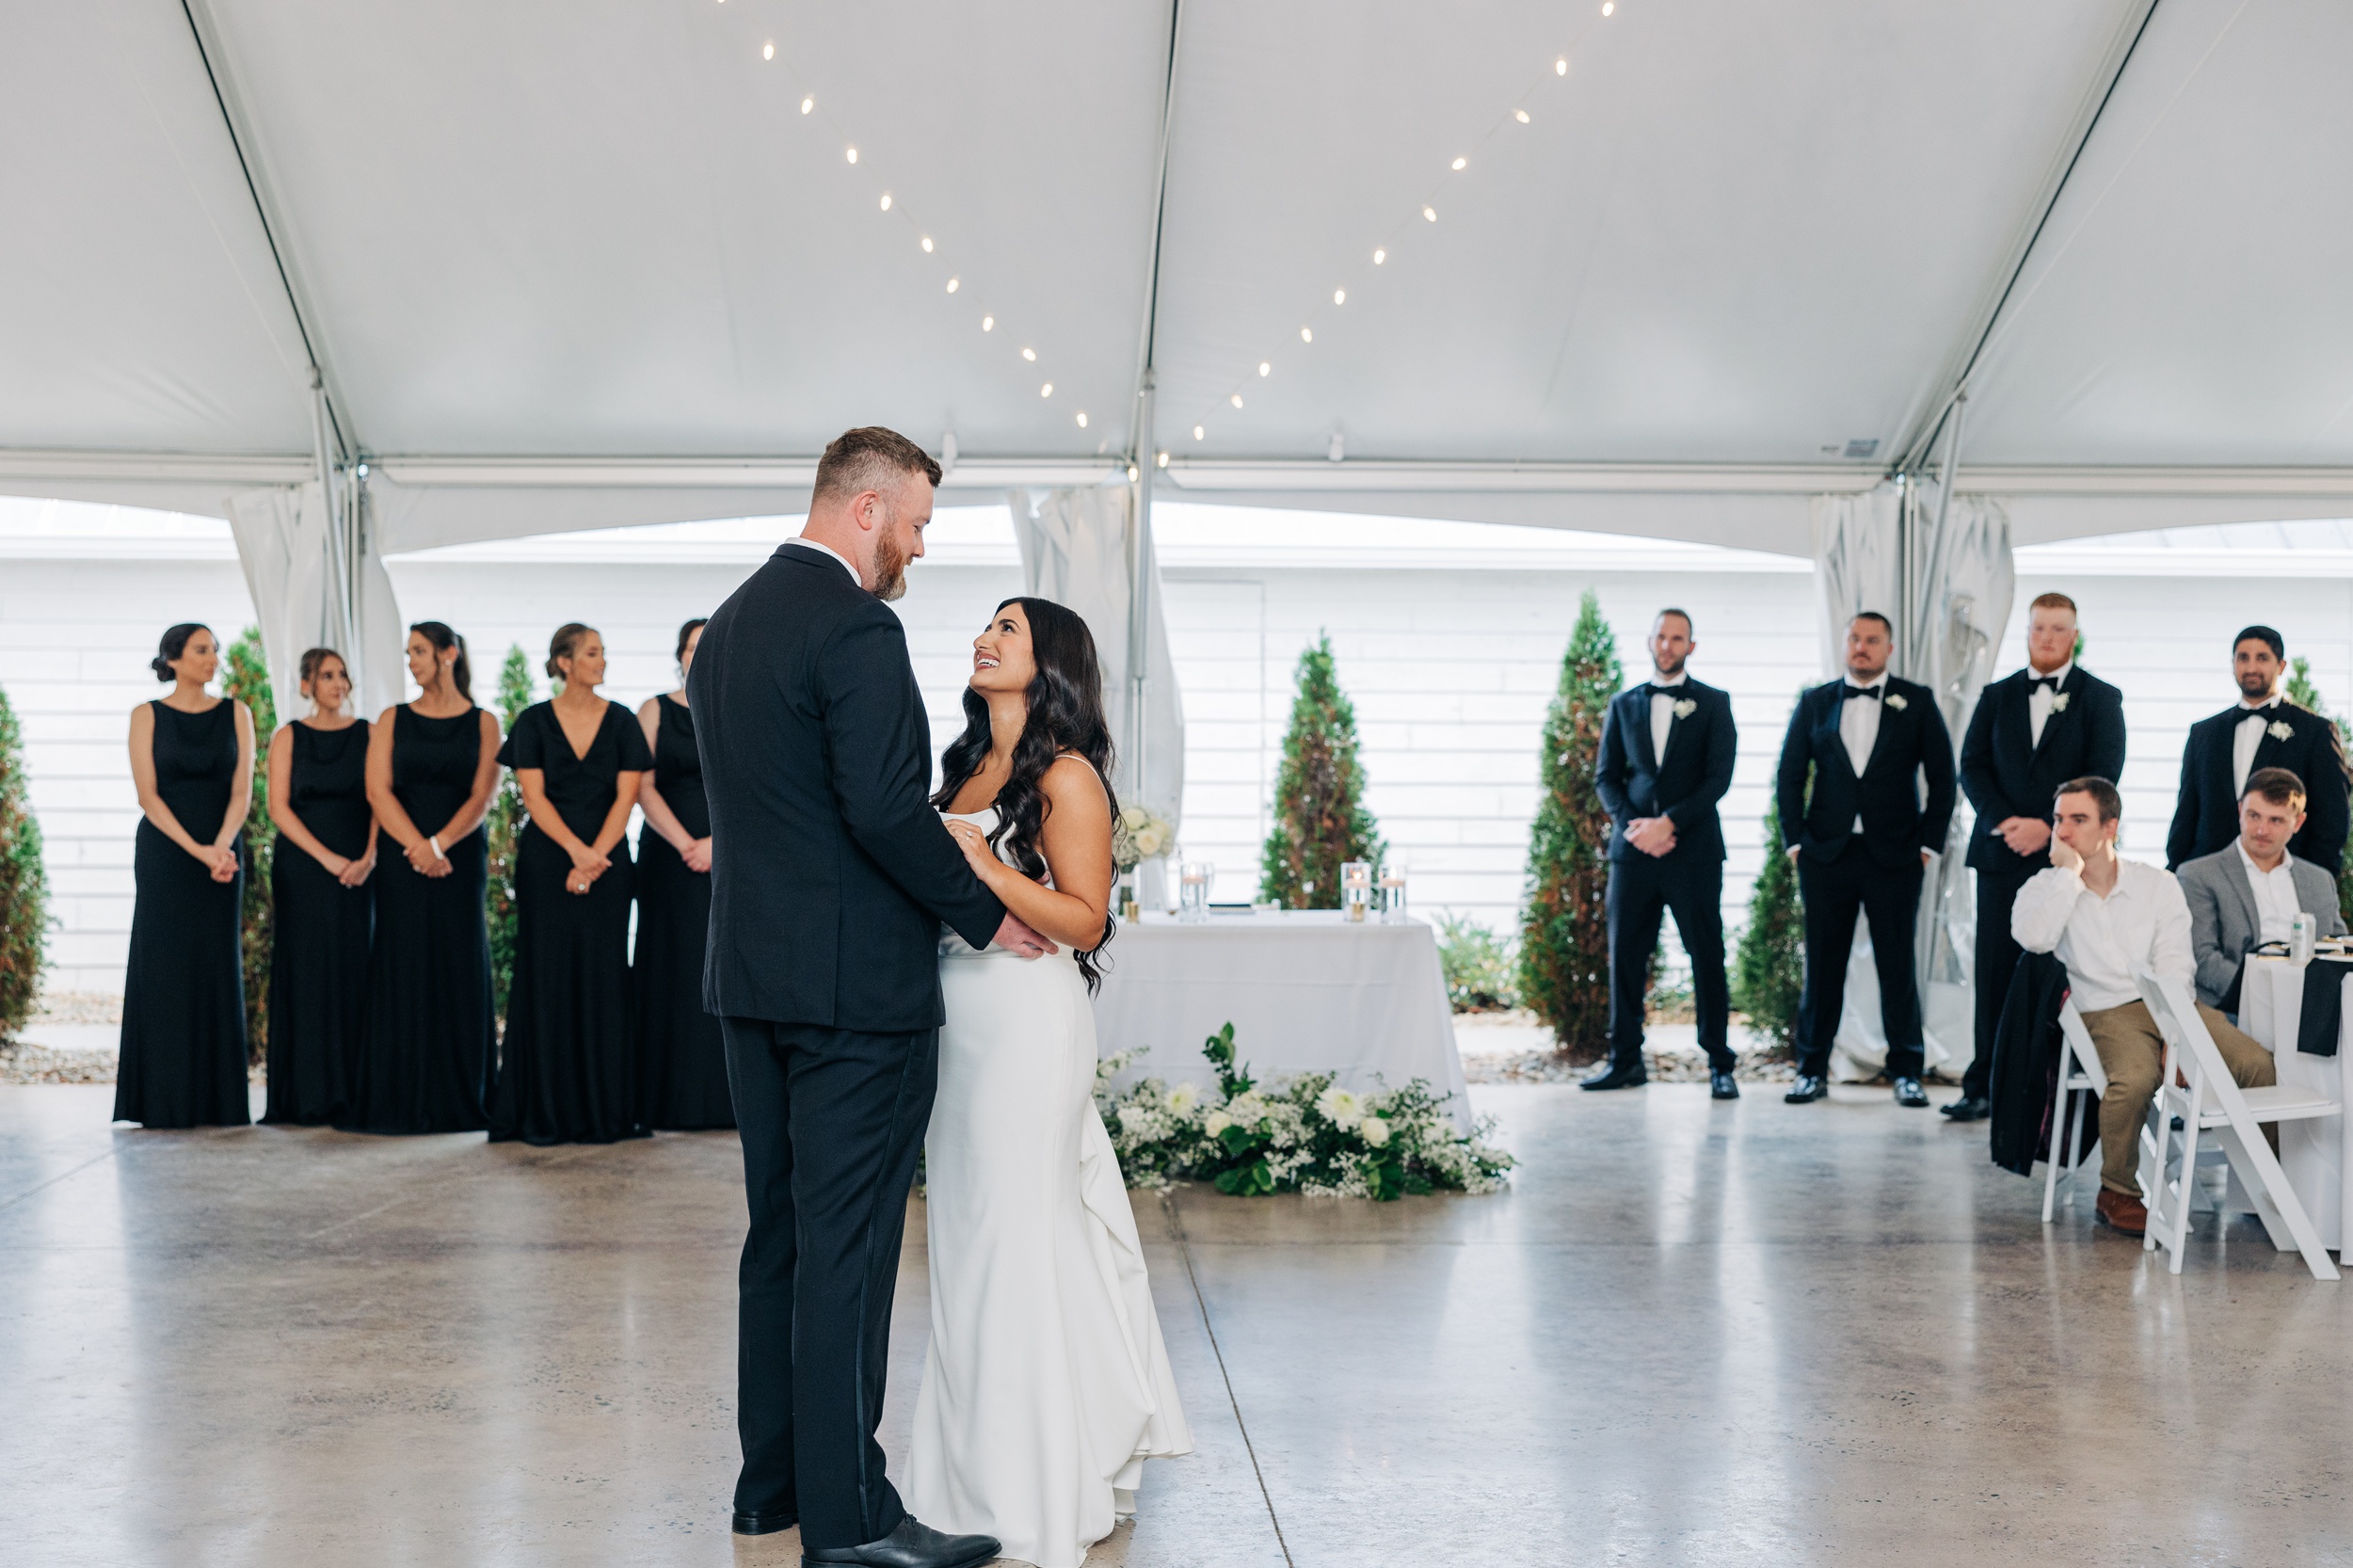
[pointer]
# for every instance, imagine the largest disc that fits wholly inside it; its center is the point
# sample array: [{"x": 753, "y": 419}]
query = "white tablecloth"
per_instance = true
[
  {"x": 1305, "y": 991},
  {"x": 2317, "y": 1155}
]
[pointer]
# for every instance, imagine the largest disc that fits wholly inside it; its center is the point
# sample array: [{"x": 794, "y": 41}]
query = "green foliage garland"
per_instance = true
[
  {"x": 2301, "y": 692},
  {"x": 1320, "y": 817},
  {"x": 1299, "y": 1135},
  {"x": 23, "y": 883},
  {"x": 1769, "y": 967},
  {"x": 505, "y": 822},
  {"x": 1564, "y": 937},
  {"x": 244, "y": 677}
]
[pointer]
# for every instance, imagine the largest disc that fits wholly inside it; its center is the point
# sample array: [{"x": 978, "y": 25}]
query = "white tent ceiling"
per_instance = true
[{"x": 567, "y": 263}]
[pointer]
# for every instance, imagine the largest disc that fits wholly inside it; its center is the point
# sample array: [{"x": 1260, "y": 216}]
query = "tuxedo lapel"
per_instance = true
[
  {"x": 1829, "y": 744},
  {"x": 2013, "y": 718},
  {"x": 2235, "y": 879},
  {"x": 1638, "y": 719}
]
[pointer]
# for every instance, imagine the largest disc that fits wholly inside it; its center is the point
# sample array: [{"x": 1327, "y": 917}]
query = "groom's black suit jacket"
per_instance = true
[
  {"x": 1685, "y": 785},
  {"x": 2006, "y": 774},
  {"x": 1913, "y": 741},
  {"x": 830, "y": 871}
]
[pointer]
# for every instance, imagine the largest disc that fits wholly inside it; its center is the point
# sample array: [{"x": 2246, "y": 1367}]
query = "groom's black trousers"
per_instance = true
[{"x": 831, "y": 1122}]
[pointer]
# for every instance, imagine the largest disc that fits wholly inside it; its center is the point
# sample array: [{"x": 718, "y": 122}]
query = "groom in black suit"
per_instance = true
[
  {"x": 1861, "y": 839},
  {"x": 1667, "y": 749},
  {"x": 2033, "y": 730},
  {"x": 2263, "y": 731},
  {"x": 830, "y": 878}
]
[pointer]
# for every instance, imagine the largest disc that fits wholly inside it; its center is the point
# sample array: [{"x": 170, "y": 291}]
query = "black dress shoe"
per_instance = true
[
  {"x": 764, "y": 1524},
  {"x": 1721, "y": 1087},
  {"x": 913, "y": 1544},
  {"x": 1615, "y": 1077},
  {"x": 1810, "y": 1086},
  {"x": 1909, "y": 1094},
  {"x": 1970, "y": 1108}
]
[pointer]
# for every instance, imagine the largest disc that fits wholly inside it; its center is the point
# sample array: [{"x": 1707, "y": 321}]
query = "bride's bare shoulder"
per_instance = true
[{"x": 1071, "y": 779}]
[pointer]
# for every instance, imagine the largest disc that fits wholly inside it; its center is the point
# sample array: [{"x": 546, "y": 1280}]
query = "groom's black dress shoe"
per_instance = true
[
  {"x": 1970, "y": 1108},
  {"x": 1810, "y": 1086},
  {"x": 1909, "y": 1094},
  {"x": 764, "y": 1524},
  {"x": 1720, "y": 1086},
  {"x": 1631, "y": 1076},
  {"x": 913, "y": 1544}
]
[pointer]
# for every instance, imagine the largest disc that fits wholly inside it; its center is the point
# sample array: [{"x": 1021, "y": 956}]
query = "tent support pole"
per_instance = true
[{"x": 1142, "y": 450}]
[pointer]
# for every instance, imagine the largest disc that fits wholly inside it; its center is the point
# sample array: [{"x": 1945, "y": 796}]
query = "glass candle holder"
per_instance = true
[
  {"x": 1357, "y": 890},
  {"x": 1393, "y": 895},
  {"x": 1194, "y": 883}
]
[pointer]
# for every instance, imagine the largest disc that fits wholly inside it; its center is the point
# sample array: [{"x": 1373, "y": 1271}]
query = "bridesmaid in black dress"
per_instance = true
[
  {"x": 424, "y": 1059},
  {"x": 568, "y": 1070},
  {"x": 324, "y": 909},
  {"x": 682, "y": 1066},
  {"x": 183, "y": 998}
]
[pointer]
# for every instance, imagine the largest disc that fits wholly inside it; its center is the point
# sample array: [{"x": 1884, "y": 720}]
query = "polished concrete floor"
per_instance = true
[{"x": 1689, "y": 1334}]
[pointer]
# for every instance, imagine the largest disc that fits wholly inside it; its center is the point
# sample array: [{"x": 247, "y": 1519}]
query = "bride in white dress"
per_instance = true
[{"x": 1046, "y": 1384}]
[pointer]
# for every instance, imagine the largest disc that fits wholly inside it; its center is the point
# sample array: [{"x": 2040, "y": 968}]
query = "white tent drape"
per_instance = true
[
  {"x": 282, "y": 539},
  {"x": 1949, "y": 594},
  {"x": 1077, "y": 549}
]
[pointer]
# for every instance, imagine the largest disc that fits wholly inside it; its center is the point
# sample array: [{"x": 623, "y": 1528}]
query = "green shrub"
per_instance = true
[
  {"x": 1320, "y": 817},
  {"x": 1769, "y": 966},
  {"x": 1564, "y": 936},
  {"x": 1480, "y": 966},
  {"x": 23, "y": 883},
  {"x": 506, "y": 820},
  {"x": 2301, "y": 692},
  {"x": 245, "y": 677}
]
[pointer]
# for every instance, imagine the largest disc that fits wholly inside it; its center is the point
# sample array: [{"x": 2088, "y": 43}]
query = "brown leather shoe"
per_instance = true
[{"x": 2121, "y": 1211}]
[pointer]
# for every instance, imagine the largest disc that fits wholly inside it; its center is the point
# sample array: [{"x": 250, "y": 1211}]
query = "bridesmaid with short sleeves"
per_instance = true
[
  {"x": 567, "y": 1069},
  {"x": 183, "y": 1043}
]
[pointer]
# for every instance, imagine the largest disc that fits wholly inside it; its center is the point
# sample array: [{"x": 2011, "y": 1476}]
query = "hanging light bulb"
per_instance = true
[
  {"x": 1520, "y": 115},
  {"x": 1339, "y": 297},
  {"x": 886, "y": 207},
  {"x": 853, "y": 154},
  {"x": 1265, "y": 369},
  {"x": 1560, "y": 66},
  {"x": 1608, "y": 7},
  {"x": 1198, "y": 432},
  {"x": 1030, "y": 355},
  {"x": 1083, "y": 419},
  {"x": 1237, "y": 400},
  {"x": 1307, "y": 336},
  {"x": 1046, "y": 390},
  {"x": 954, "y": 283},
  {"x": 927, "y": 245},
  {"x": 806, "y": 103},
  {"x": 767, "y": 51},
  {"x": 1162, "y": 460},
  {"x": 1430, "y": 214},
  {"x": 1461, "y": 164},
  {"x": 988, "y": 324},
  {"x": 1379, "y": 256}
]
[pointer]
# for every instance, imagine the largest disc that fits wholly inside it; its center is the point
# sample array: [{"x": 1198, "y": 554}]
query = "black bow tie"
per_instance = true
[
  {"x": 2047, "y": 682},
  {"x": 1871, "y": 692}
]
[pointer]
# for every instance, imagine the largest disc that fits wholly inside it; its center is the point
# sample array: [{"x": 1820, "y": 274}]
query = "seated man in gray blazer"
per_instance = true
[{"x": 2247, "y": 893}]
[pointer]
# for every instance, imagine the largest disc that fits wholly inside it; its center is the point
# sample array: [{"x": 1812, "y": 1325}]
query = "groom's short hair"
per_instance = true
[{"x": 870, "y": 458}]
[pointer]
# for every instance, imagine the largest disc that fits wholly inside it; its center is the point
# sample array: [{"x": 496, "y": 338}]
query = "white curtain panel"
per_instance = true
[
  {"x": 1947, "y": 628},
  {"x": 1077, "y": 549},
  {"x": 283, "y": 545}
]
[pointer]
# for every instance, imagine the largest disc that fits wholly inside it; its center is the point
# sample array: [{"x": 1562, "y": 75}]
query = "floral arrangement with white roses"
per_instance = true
[
  {"x": 1138, "y": 834},
  {"x": 1301, "y": 1135}
]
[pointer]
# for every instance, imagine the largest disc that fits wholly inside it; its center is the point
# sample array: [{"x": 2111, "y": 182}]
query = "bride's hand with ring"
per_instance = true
[{"x": 977, "y": 854}]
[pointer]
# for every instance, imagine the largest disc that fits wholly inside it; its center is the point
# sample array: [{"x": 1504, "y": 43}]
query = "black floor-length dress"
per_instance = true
[
  {"x": 567, "y": 1066},
  {"x": 425, "y": 1056},
  {"x": 683, "y": 1062},
  {"x": 183, "y": 996},
  {"x": 318, "y": 973}
]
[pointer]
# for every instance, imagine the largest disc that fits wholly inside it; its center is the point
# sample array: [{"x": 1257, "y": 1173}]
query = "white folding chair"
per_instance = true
[
  {"x": 2079, "y": 1072},
  {"x": 2208, "y": 1100}
]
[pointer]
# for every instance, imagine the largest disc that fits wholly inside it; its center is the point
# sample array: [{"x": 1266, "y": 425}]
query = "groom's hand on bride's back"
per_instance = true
[{"x": 1016, "y": 937}]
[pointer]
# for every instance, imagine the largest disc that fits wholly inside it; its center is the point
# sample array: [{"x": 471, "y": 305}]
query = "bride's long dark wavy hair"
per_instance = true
[{"x": 1066, "y": 713}]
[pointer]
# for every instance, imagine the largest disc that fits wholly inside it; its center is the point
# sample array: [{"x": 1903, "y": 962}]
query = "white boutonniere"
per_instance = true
[
  {"x": 2280, "y": 729},
  {"x": 1685, "y": 709},
  {"x": 2060, "y": 701},
  {"x": 1895, "y": 700}
]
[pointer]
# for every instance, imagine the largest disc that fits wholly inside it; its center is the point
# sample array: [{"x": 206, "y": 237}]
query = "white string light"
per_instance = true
[
  {"x": 954, "y": 283},
  {"x": 886, "y": 206},
  {"x": 767, "y": 51},
  {"x": 1030, "y": 355},
  {"x": 1516, "y": 113},
  {"x": 988, "y": 324},
  {"x": 1083, "y": 419},
  {"x": 853, "y": 154},
  {"x": 806, "y": 103},
  {"x": 927, "y": 245},
  {"x": 1046, "y": 390}
]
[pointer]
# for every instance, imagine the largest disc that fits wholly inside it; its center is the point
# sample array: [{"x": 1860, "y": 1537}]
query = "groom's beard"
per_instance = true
[{"x": 891, "y": 569}]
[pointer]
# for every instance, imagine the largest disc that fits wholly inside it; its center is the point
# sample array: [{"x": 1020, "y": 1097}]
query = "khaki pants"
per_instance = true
[{"x": 2132, "y": 1053}]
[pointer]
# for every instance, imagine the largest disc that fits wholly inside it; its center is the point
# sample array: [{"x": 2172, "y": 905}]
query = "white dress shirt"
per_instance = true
[
  {"x": 2275, "y": 893},
  {"x": 1663, "y": 698},
  {"x": 2249, "y": 735},
  {"x": 2040, "y": 699},
  {"x": 2141, "y": 927},
  {"x": 1859, "y": 725},
  {"x": 847, "y": 565}
]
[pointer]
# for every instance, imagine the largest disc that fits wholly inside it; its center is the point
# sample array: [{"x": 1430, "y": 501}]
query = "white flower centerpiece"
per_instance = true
[{"x": 1304, "y": 1135}]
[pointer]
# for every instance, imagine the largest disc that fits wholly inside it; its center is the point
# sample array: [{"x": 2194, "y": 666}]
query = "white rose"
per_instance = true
[
  {"x": 1340, "y": 1108},
  {"x": 1133, "y": 1119},
  {"x": 1375, "y": 1132},
  {"x": 1215, "y": 1122},
  {"x": 1246, "y": 1109},
  {"x": 1182, "y": 1098},
  {"x": 1150, "y": 841},
  {"x": 1895, "y": 700}
]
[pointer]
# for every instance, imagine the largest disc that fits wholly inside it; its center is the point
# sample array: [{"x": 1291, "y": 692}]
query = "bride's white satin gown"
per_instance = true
[{"x": 1046, "y": 1384}]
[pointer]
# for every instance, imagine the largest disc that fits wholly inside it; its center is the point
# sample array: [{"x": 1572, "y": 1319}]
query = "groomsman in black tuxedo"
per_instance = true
[
  {"x": 2033, "y": 731},
  {"x": 2263, "y": 731},
  {"x": 1666, "y": 748},
  {"x": 1861, "y": 839}
]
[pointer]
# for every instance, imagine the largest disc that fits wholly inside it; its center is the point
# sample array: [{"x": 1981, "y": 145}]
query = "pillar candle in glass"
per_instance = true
[
  {"x": 1393, "y": 892},
  {"x": 1355, "y": 889},
  {"x": 1194, "y": 880}
]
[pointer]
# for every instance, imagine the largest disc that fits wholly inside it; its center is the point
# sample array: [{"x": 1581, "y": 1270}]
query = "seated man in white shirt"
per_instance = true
[
  {"x": 2247, "y": 893},
  {"x": 2109, "y": 918}
]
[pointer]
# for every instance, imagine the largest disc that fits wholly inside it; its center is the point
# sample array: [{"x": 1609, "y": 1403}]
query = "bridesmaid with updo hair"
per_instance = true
[
  {"x": 183, "y": 1044},
  {"x": 424, "y": 1059},
  {"x": 682, "y": 1062},
  {"x": 324, "y": 909},
  {"x": 567, "y": 1067}
]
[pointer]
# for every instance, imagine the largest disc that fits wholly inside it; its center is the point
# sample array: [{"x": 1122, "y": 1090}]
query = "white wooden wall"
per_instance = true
[{"x": 1448, "y": 640}]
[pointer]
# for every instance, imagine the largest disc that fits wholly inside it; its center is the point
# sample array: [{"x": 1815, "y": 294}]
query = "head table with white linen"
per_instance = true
[
  {"x": 2317, "y": 1155},
  {"x": 1306, "y": 990}
]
